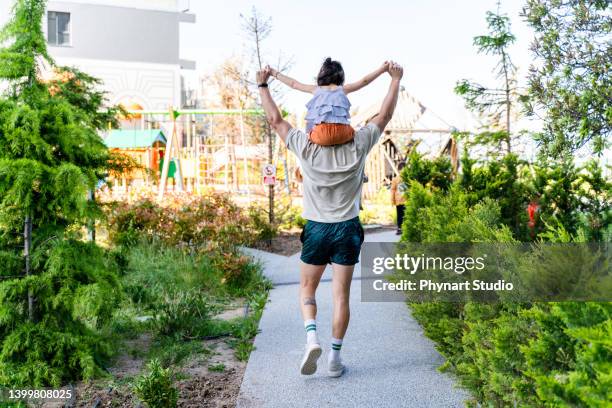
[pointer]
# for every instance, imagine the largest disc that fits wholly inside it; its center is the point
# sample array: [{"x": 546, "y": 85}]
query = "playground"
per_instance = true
[{"x": 226, "y": 150}]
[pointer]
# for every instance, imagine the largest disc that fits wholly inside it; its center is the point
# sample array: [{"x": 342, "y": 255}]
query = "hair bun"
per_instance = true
[{"x": 327, "y": 61}]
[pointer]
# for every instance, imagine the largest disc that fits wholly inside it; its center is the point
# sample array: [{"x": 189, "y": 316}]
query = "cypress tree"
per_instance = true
[{"x": 55, "y": 289}]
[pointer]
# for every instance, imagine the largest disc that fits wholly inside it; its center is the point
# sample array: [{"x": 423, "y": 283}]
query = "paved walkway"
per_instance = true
[{"x": 390, "y": 363}]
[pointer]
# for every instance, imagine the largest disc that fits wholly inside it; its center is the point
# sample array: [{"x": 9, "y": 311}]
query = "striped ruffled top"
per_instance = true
[{"x": 328, "y": 106}]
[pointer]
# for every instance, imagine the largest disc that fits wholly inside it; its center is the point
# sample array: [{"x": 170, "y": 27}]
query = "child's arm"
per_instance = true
[
  {"x": 355, "y": 86},
  {"x": 292, "y": 83}
]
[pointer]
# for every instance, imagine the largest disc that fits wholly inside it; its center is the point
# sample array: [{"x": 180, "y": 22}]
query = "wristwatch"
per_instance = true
[{"x": 264, "y": 85}]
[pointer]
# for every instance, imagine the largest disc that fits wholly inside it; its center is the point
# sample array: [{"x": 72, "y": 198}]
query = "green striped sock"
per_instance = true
[
  {"x": 310, "y": 326},
  {"x": 336, "y": 345}
]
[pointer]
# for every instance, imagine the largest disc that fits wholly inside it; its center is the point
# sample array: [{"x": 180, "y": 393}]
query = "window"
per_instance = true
[{"x": 58, "y": 28}]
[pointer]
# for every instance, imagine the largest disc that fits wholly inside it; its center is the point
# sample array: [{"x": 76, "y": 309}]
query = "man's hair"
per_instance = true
[{"x": 331, "y": 73}]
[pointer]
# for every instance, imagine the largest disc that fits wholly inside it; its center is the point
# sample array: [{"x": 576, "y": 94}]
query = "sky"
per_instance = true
[{"x": 431, "y": 39}]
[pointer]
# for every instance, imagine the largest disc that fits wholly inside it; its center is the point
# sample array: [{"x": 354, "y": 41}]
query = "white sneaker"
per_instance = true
[
  {"x": 309, "y": 362},
  {"x": 335, "y": 368}
]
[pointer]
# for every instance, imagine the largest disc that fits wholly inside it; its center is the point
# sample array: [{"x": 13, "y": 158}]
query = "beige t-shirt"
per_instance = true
[{"x": 333, "y": 175}]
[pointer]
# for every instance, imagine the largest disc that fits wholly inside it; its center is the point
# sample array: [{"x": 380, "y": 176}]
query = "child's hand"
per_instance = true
[
  {"x": 272, "y": 71},
  {"x": 396, "y": 70}
]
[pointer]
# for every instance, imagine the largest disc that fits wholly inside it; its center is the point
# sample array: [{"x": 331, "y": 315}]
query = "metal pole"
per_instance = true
[
  {"x": 166, "y": 167},
  {"x": 228, "y": 158},
  {"x": 244, "y": 158},
  {"x": 198, "y": 166}
]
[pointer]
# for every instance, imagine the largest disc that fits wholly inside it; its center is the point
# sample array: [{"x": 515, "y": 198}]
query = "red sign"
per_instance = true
[{"x": 269, "y": 174}]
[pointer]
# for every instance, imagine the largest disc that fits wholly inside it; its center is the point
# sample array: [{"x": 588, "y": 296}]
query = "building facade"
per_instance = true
[{"x": 131, "y": 45}]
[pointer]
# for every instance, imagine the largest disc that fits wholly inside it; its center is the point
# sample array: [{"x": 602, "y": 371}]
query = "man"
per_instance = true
[{"x": 332, "y": 184}]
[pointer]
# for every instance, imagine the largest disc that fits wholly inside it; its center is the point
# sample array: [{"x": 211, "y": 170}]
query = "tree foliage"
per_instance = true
[
  {"x": 50, "y": 156},
  {"x": 512, "y": 354},
  {"x": 570, "y": 84},
  {"x": 496, "y": 102}
]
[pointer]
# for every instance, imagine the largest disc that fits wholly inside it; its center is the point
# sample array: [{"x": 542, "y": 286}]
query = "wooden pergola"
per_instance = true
[{"x": 413, "y": 125}]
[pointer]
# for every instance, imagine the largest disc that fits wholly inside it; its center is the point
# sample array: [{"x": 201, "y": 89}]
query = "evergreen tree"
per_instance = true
[
  {"x": 495, "y": 101},
  {"x": 570, "y": 85},
  {"x": 54, "y": 288}
]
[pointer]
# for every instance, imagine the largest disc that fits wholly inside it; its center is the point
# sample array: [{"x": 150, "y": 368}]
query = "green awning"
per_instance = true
[{"x": 134, "y": 139}]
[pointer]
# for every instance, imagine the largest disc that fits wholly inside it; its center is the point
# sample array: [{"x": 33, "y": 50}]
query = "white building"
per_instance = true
[{"x": 131, "y": 45}]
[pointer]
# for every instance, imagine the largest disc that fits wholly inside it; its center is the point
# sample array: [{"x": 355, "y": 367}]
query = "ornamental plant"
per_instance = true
[{"x": 55, "y": 289}]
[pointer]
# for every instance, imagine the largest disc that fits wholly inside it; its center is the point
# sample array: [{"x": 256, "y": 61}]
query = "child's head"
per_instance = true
[{"x": 331, "y": 73}]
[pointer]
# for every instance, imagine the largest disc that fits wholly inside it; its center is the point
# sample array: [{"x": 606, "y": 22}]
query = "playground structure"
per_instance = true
[
  {"x": 142, "y": 146},
  {"x": 222, "y": 150},
  {"x": 226, "y": 150}
]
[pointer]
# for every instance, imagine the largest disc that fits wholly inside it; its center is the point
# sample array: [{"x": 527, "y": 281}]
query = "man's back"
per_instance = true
[{"x": 333, "y": 175}]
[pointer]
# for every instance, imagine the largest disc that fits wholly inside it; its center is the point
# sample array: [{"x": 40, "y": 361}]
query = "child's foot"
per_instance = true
[
  {"x": 335, "y": 368},
  {"x": 309, "y": 362}
]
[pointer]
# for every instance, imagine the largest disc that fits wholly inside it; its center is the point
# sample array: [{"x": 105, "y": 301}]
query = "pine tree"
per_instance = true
[
  {"x": 497, "y": 102},
  {"x": 54, "y": 288}
]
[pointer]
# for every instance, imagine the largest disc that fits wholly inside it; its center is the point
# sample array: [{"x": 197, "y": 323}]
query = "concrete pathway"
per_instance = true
[{"x": 390, "y": 363}]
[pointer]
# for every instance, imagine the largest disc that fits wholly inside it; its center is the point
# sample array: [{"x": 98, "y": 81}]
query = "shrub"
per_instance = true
[
  {"x": 260, "y": 223},
  {"x": 200, "y": 223},
  {"x": 436, "y": 173},
  {"x": 519, "y": 354},
  {"x": 156, "y": 389},
  {"x": 286, "y": 217},
  {"x": 76, "y": 288},
  {"x": 237, "y": 270},
  {"x": 183, "y": 313}
]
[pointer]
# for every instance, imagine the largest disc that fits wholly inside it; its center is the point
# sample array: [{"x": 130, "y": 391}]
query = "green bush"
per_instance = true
[
  {"x": 518, "y": 354},
  {"x": 156, "y": 389},
  {"x": 436, "y": 173},
  {"x": 77, "y": 288},
  {"x": 198, "y": 223},
  {"x": 183, "y": 313},
  {"x": 286, "y": 217}
]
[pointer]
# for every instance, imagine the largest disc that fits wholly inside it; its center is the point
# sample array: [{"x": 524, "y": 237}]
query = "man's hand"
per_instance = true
[
  {"x": 385, "y": 66},
  {"x": 262, "y": 76},
  {"x": 396, "y": 71}
]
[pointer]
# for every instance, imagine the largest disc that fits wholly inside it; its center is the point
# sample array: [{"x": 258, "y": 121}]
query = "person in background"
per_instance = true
[{"x": 398, "y": 199}]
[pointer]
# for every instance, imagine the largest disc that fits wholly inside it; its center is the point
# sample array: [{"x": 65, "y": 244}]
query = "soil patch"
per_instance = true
[
  {"x": 285, "y": 243},
  {"x": 209, "y": 379}
]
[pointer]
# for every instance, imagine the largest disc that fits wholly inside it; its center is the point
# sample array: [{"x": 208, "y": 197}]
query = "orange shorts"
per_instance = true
[{"x": 329, "y": 134}]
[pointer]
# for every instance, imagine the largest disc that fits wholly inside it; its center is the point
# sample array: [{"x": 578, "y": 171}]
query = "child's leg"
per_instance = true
[{"x": 329, "y": 134}]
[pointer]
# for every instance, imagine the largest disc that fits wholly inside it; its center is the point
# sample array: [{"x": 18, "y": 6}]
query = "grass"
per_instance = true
[
  {"x": 173, "y": 296},
  {"x": 153, "y": 266},
  {"x": 170, "y": 351},
  {"x": 219, "y": 368}
]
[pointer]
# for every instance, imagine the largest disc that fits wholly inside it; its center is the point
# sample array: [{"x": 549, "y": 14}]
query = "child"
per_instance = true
[{"x": 328, "y": 117}]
